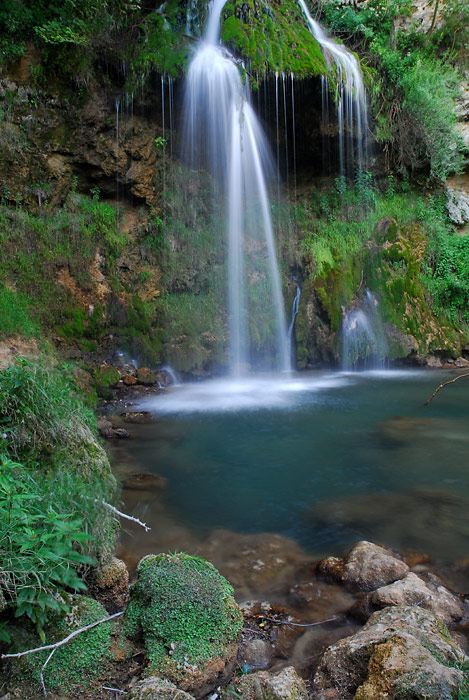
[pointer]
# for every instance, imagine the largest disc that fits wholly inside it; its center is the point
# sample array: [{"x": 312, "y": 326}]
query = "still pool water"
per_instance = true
[{"x": 323, "y": 458}]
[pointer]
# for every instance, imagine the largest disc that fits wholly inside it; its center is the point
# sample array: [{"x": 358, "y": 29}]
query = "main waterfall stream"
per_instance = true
[{"x": 223, "y": 134}]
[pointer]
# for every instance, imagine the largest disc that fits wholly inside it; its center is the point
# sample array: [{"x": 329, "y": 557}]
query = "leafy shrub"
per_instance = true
[
  {"x": 55, "y": 476},
  {"x": 37, "y": 546}
]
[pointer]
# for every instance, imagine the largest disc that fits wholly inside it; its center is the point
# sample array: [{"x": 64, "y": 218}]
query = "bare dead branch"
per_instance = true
[
  {"x": 451, "y": 381},
  {"x": 124, "y": 515}
]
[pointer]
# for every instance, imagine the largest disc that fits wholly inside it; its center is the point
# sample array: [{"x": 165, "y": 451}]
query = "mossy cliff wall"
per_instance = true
[{"x": 110, "y": 242}]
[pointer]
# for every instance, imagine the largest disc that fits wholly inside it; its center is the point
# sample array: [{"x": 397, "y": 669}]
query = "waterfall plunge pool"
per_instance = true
[{"x": 323, "y": 459}]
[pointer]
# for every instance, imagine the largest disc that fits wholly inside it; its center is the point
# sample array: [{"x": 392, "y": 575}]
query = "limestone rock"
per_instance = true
[
  {"x": 401, "y": 653},
  {"x": 286, "y": 685},
  {"x": 155, "y": 688},
  {"x": 109, "y": 584},
  {"x": 430, "y": 594},
  {"x": 366, "y": 567},
  {"x": 458, "y": 206}
]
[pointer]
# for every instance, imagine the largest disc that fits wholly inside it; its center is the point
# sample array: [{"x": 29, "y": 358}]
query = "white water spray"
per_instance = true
[{"x": 223, "y": 132}]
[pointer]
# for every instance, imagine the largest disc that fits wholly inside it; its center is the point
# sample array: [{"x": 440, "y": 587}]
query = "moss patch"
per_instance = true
[{"x": 76, "y": 665}]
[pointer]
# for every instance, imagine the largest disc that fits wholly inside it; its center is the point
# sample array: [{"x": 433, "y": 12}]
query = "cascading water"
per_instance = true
[
  {"x": 223, "y": 132},
  {"x": 363, "y": 340},
  {"x": 350, "y": 98},
  {"x": 294, "y": 312}
]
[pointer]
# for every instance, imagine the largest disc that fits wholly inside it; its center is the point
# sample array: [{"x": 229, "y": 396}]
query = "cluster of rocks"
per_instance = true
[{"x": 194, "y": 641}]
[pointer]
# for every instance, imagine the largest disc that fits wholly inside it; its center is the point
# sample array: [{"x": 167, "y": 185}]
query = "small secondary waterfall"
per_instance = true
[
  {"x": 350, "y": 98},
  {"x": 224, "y": 133},
  {"x": 294, "y": 312},
  {"x": 363, "y": 340}
]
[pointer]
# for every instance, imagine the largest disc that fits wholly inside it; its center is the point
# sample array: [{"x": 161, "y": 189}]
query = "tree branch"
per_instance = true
[
  {"x": 451, "y": 381},
  {"x": 124, "y": 515}
]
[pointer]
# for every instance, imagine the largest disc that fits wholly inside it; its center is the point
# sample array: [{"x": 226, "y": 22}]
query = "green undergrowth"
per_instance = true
[
  {"x": 54, "y": 478},
  {"x": 52, "y": 264},
  {"x": 74, "y": 666},
  {"x": 191, "y": 252},
  {"x": 182, "y": 605},
  {"x": 398, "y": 243}
]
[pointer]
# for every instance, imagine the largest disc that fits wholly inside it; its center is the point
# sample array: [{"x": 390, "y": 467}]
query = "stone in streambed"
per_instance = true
[
  {"x": 365, "y": 568},
  {"x": 155, "y": 688},
  {"x": 285, "y": 685},
  {"x": 402, "y": 653},
  {"x": 255, "y": 653},
  {"x": 109, "y": 584},
  {"x": 430, "y": 594}
]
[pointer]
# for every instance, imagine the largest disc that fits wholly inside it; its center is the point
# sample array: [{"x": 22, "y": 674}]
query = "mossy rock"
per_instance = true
[
  {"x": 189, "y": 621},
  {"x": 76, "y": 665},
  {"x": 107, "y": 376}
]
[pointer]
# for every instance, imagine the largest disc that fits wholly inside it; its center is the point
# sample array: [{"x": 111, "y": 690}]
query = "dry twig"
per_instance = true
[{"x": 451, "y": 381}]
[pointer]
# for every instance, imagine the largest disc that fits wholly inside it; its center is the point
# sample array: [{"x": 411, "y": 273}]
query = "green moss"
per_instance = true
[
  {"x": 77, "y": 664},
  {"x": 272, "y": 37},
  {"x": 107, "y": 376},
  {"x": 184, "y": 610}
]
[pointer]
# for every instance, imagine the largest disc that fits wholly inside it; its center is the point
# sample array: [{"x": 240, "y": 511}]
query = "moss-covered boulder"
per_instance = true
[
  {"x": 107, "y": 376},
  {"x": 184, "y": 611},
  {"x": 75, "y": 666}
]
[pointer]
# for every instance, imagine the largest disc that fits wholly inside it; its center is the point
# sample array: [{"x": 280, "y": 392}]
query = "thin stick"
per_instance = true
[
  {"x": 124, "y": 515},
  {"x": 444, "y": 384},
  {"x": 298, "y": 624},
  {"x": 55, "y": 646}
]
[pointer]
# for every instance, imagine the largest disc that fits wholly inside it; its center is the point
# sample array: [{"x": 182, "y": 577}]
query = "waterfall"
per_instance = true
[
  {"x": 294, "y": 312},
  {"x": 350, "y": 98},
  {"x": 363, "y": 340},
  {"x": 223, "y": 133}
]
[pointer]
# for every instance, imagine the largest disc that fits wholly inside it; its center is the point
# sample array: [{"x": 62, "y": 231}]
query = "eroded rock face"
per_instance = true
[
  {"x": 286, "y": 685},
  {"x": 430, "y": 594},
  {"x": 366, "y": 567},
  {"x": 402, "y": 652}
]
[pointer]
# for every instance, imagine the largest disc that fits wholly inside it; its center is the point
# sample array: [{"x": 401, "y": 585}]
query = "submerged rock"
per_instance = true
[
  {"x": 285, "y": 685},
  {"x": 144, "y": 481},
  {"x": 366, "y": 567},
  {"x": 402, "y": 653},
  {"x": 255, "y": 653},
  {"x": 254, "y": 563},
  {"x": 185, "y": 614}
]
